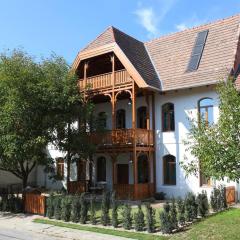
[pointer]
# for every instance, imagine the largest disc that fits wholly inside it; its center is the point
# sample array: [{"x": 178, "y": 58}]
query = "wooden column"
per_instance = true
[
  {"x": 85, "y": 78},
  {"x": 114, "y": 162},
  {"x": 154, "y": 153},
  {"x": 113, "y": 93},
  {"x": 135, "y": 170}
]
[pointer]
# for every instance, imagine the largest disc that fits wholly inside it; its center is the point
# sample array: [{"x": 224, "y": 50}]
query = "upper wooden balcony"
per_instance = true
[
  {"x": 106, "y": 80},
  {"x": 123, "y": 138}
]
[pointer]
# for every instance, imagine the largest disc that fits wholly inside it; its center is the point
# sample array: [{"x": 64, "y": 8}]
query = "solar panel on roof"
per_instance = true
[{"x": 197, "y": 51}]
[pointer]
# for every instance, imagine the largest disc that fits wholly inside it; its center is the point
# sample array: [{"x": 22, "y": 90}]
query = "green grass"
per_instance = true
[
  {"x": 133, "y": 235},
  {"x": 222, "y": 226}
]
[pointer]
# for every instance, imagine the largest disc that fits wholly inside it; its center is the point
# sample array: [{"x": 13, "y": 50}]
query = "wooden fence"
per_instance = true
[
  {"x": 34, "y": 203},
  {"x": 230, "y": 195}
]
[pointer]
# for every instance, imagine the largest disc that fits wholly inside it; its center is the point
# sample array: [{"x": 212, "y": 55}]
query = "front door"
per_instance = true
[{"x": 122, "y": 173}]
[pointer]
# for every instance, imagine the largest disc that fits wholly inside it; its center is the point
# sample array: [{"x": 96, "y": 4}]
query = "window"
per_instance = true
[
  {"x": 60, "y": 168},
  {"x": 168, "y": 122},
  {"x": 143, "y": 169},
  {"x": 205, "y": 110},
  {"x": 120, "y": 119},
  {"x": 142, "y": 117},
  {"x": 169, "y": 170},
  {"x": 204, "y": 181},
  {"x": 101, "y": 169},
  {"x": 81, "y": 170},
  {"x": 102, "y": 119}
]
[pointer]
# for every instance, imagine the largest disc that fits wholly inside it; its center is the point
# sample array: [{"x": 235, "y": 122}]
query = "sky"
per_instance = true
[{"x": 66, "y": 26}]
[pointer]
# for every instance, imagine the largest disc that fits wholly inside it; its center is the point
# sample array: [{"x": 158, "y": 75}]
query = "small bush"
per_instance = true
[
  {"x": 105, "y": 219},
  {"x": 173, "y": 214},
  {"x": 165, "y": 219},
  {"x": 114, "y": 211},
  {"x": 127, "y": 217},
  {"x": 223, "y": 200},
  {"x": 139, "y": 219},
  {"x": 76, "y": 209},
  {"x": 218, "y": 199},
  {"x": 191, "y": 207},
  {"x": 93, "y": 218},
  {"x": 181, "y": 211},
  {"x": 50, "y": 206},
  {"x": 150, "y": 218},
  {"x": 84, "y": 209},
  {"x": 57, "y": 207},
  {"x": 203, "y": 206},
  {"x": 66, "y": 204}
]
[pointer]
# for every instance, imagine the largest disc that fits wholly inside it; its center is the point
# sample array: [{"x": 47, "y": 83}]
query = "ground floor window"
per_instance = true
[
  {"x": 169, "y": 170},
  {"x": 60, "y": 168},
  {"x": 143, "y": 169},
  {"x": 101, "y": 169}
]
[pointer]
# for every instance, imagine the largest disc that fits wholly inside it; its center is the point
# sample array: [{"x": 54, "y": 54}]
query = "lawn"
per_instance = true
[{"x": 222, "y": 226}]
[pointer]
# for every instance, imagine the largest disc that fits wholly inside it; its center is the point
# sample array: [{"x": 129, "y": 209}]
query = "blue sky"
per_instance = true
[{"x": 66, "y": 26}]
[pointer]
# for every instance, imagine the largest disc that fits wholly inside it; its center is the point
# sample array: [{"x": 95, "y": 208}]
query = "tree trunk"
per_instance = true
[{"x": 24, "y": 181}]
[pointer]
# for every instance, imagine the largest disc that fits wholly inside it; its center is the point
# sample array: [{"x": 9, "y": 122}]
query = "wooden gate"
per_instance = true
[
  {"x": 230, "y": 195},
  {"x": 34, "y": 203}
]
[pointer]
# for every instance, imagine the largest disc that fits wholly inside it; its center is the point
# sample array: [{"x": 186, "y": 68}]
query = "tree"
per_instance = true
[{"x": 216, "y": 146}]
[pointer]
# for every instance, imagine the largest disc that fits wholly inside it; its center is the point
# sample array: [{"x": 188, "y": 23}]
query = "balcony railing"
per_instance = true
[
  {"x": 143, "y": 137},
  {"x": 106, "y": 80}
]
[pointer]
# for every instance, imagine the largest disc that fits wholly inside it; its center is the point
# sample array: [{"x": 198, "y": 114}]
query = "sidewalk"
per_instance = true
[{"x": 21, "y": 227}]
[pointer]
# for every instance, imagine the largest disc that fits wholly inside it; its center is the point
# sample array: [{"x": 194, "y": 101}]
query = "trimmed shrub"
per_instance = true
[
  {"x": 165, "y": 219},
  {"x": 191, "y": 207},
  {"x": 203, "y": 206},
  {"x": 139, "y": 219},
  {"x": 173, "y": 214},
  {"x": 223, "y": 200},
  {"x": 114, "y": 211},
  {"x": 105, "y": 219},
  {"x": 127, "y": 217},
  {"x": 215, "y": 199},
  {"x": 159, "y": 195},
  {"x": 150, "y": 218},
  {"x": 66, "y": 205},
  {"x": 84, "y": 209},
  {"x": 57, "y": 201},
  {"x": 93, "y": 218},
  {"x": 181, "y": 211},
  {"x": 76, "y": 208},
  {"x": 50, "y": 206}
]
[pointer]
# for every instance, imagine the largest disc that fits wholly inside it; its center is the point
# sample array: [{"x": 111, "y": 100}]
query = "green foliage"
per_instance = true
[
  {"x": 173, "y": 214},
  {"x": 84, "y": 209},
  {"x": 217, "y": 145},
  {"x": 127, "y": 216},
  {"x": 181, "y": 211},
  {"x": 11, "y": 203},
  {"x": 139, "y": 219},
  {"x": 191, "y": 207},
  {"x": 50, "y": 206},
  {"x": 202, "y": 201},
  {"x": 105, "y": 219},
  {"x": 76, "y": 208},
  {"x": 57, "y": 202},
  {"x": 165, "y": 219},
  {"x": 115, "y": 221},
  {"x": 150, "y": 218},
  {"x": 218, "y": 199},
  {"x": 66, "y": 205},
  {"x": 93, "y": 218}
]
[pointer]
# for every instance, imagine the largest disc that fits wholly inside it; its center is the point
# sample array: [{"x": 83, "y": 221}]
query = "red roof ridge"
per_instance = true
[{"x": 194, "y": 28}]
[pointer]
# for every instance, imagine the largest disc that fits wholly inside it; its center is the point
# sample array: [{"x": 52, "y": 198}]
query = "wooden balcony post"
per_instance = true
[
  {"x": 113, "y": 70},
  {"x": 154, "y": 153},
  {"x": 85, "y": 75},
  {"x": 135, "y": 170}
]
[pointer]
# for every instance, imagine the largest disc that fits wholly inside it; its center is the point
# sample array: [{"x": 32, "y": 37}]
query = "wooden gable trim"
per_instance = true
[{"x": 113, "y": 47}]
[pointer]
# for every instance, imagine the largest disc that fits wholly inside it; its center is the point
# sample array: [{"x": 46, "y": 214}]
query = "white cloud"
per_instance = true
[
  {"x": 181, "y": 26},
  {"x": 148, "y": 20}
]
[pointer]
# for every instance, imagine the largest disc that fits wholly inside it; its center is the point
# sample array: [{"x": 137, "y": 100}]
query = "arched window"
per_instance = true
[
  {"x": 205, "y": 110},
  {"x": 142, "y": 117},
  {"x": 168, "y": 122},
  {"x": 143, "y": 169},
  {"x": 101, "y": 169},
  {"x": 102, "y": 119},
  {"x": 120, "y": 119},
  {"x": 169, "y": 170}
]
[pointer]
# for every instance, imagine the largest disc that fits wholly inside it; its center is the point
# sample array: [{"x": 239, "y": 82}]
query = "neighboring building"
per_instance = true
[{"x": 145, "y": 94}]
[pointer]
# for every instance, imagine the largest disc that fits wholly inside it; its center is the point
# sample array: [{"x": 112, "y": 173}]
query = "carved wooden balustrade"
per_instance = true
[
  {"x": 143, "y": 137},
  {"x": 105, "y": 80}
]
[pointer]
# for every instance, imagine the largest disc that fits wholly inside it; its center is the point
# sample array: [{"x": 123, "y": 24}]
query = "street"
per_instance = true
[{"x": 21, "y": 227}]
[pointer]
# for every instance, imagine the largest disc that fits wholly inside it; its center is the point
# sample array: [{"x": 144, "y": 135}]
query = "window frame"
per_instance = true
[
  {"x": 60, "y": 168},
  {"x": 121, "y": 110},
  {"x": 166, "y": 158},
  {"x": 169, "y": 123},
  {"x": 103, "y": 171},
  {"x": 140, "y": 116}
]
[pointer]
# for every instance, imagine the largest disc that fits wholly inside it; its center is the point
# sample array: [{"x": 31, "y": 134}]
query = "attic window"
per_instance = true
[{"x": 197, "y": 51}]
